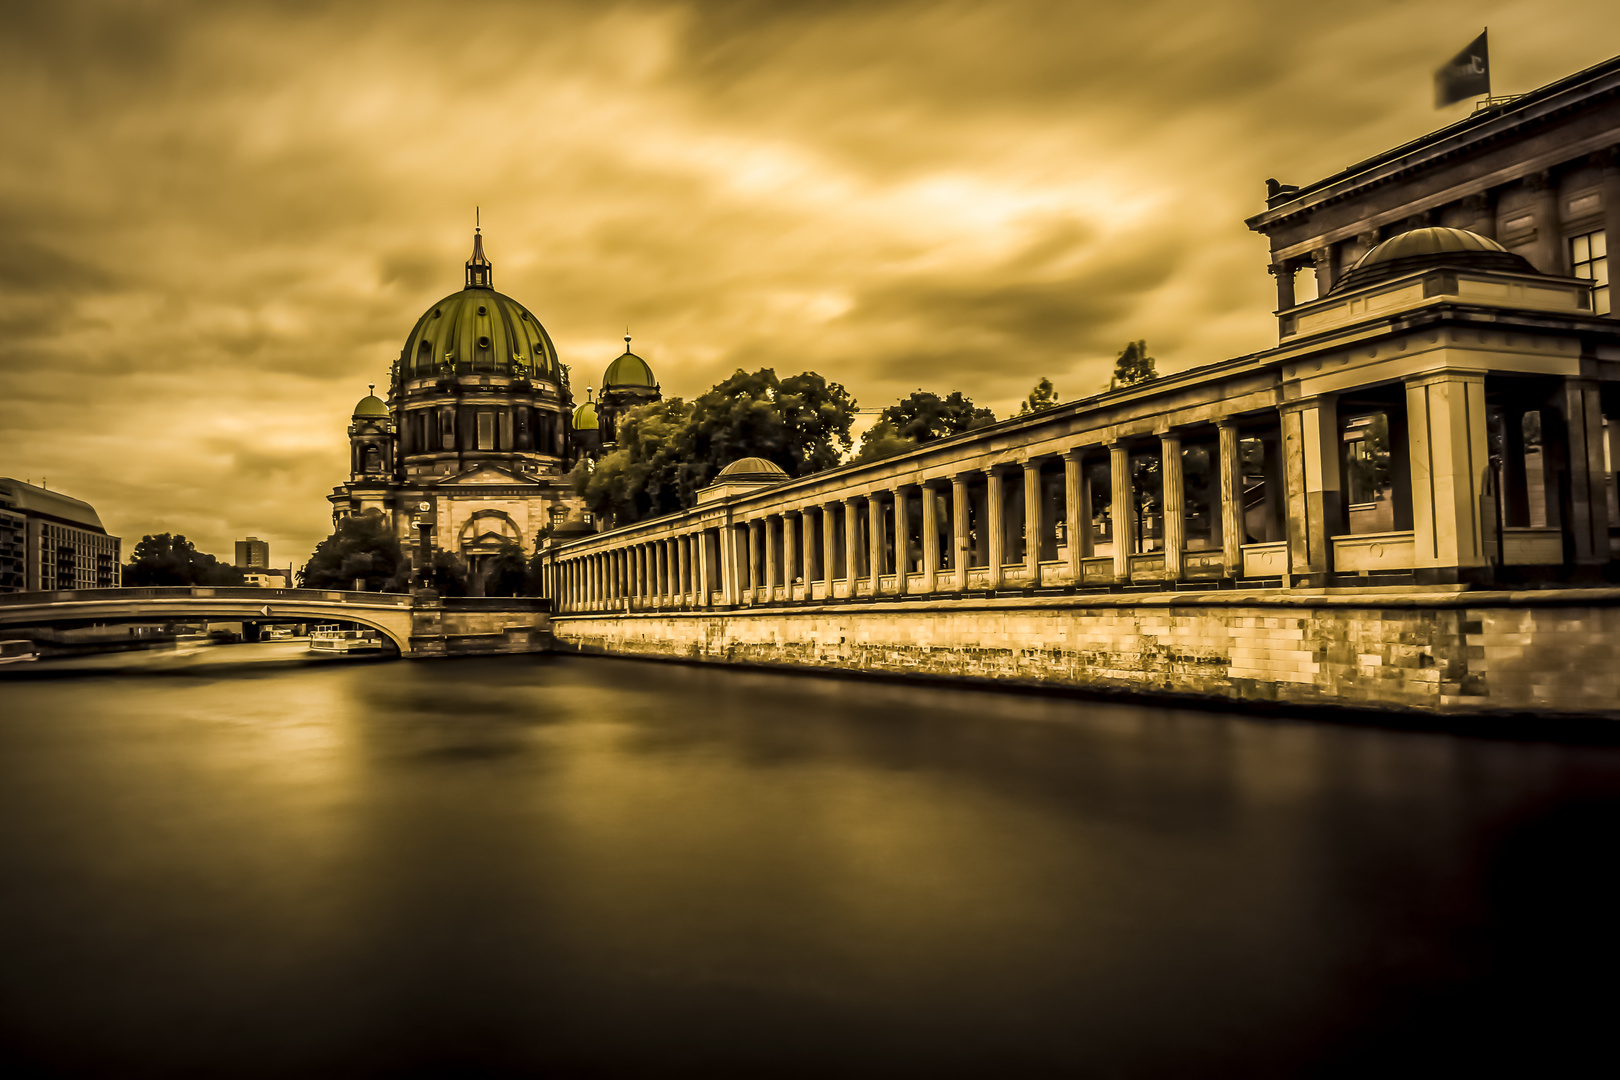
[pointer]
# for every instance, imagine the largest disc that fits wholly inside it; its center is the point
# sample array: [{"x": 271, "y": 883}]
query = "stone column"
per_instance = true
[
  {"x": 1311, "y": 449},
  {"x": 767, "y": 540},
  {"x": 789, "y": 552},
  {"x": 1033, "y": 523},
  {"x": 1122, "y": 509},
  {"x": 996, "y": 505},
  {"x": 705, "y": 589},
  {"x": 1076, "y": 513},
  {"x": 1322, "y": 259},
  {"x": 1547, "y": 252},
  {"x": 1284, "y": 273},
  {"x": 902, "y": 540},
  {"x": 829, "y": 545},
  {"x": 930, "y": 538},
  {"x": 1578, "y": 435},
  {"x": 963, "y": 548},
  {"x": 874, "y": 540},
  {"x": 1231, "y": 489},
  {"x": 755, "y": 561},
  {"x": 1447, "y": 444},
  {"x": 1173, "y": 495},
  {"x": 812, "y": 565},
  {"x": 852, "y": 543}
]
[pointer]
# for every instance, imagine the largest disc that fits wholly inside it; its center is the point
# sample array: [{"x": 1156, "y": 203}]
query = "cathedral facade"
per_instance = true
[{"x": 472, "y": 447}]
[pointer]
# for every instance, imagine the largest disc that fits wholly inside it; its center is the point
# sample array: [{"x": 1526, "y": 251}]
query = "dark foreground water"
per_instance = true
[{"x": 601, "y": 867}]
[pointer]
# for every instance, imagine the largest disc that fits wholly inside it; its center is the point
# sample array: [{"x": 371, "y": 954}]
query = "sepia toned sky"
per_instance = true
[{"x": 218, "y": 222}]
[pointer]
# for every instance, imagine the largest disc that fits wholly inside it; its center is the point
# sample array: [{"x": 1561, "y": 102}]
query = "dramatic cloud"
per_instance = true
[{"x": 219, "y": 222}]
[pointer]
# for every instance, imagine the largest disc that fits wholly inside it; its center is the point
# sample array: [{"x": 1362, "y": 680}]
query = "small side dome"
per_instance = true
[
  {"x": 585, "y": 415},
  {"x": 371, "y": 406},
  {"x": 628, "y": 371},
  {"x": 1432, "y": 246},
  {"x": 754, "y": 468}
]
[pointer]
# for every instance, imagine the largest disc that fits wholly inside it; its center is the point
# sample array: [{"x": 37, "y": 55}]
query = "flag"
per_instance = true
[{"x": 1465, "y": 75}]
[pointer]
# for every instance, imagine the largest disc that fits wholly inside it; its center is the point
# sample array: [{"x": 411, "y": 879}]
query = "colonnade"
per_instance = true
[
  {"x": 1026, "y": 525},
  {"x": 1271, "y": 504}
]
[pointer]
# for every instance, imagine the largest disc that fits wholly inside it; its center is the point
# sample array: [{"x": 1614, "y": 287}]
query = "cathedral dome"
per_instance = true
[
  {"x": 1433, "y": 246},
  {"x": 585, "y": 415},
  {"x": 478, "y": 331},
  {"x": 371, "y": 406},
  {"x": 628, "y": 372}
]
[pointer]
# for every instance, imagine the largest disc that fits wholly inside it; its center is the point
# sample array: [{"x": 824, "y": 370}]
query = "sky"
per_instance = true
[{"x": 219, "y": 222}]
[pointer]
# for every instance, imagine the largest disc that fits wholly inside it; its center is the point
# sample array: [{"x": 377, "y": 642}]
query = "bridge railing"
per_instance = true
[{"x": 203, "y": 592}]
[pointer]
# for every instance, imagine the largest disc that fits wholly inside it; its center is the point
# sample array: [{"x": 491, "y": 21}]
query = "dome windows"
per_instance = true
[
  {"x": 482, "y": 310},
  {"x": 483, "y": 342}
]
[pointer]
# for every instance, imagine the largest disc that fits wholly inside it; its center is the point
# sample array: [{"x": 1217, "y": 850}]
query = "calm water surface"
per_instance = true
[{"x": 603, "y": 867}]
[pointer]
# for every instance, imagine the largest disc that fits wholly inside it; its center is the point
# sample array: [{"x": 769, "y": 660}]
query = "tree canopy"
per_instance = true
[
  {"x": 921, "y": 418},
  {"x": 669, "y": 450},
  {"x": 1042, "y": 396},
  {"x": 173, "y": 560},
  {"x": 1134, "y": 366},
  {"x": 362, "y": 546},
  {"x": 507, "y": 571}
]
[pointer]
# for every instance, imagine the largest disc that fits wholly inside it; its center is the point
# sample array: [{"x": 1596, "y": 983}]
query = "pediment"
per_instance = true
[
  {"x": 488, "y": 541},
  {"x": 487, "y": 476}
]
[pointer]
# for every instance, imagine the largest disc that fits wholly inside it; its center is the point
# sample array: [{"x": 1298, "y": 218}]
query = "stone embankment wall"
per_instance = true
[
  {"x": 478, "y": 627},
  {"x": 1552, "y": 651}
]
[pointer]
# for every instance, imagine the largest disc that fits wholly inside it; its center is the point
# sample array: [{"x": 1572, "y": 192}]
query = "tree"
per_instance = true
[
  {"x": 920, "y": 418},
  {"x": 1133, "y": 366},
  {"x": 883, "y": 440},
  {"x": 667, "y": 451},
  {"x": 449, "y": 574},
  {"x": 506, "y": 571},
  {"x": 173, "y": 560},
  {"x": 1042, "y": 396},
  {"x": 362, "y": 546}
]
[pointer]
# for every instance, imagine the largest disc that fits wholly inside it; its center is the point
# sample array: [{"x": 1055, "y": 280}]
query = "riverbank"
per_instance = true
[{"x": 1552, "y": 654}]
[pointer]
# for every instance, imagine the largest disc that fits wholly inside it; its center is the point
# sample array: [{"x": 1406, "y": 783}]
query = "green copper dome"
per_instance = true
[
  {"x": 371, "y": 405},
  {"x": 585, "y": 416},
  {"x": 627, "y": 371},
  {"x": 478, "y": 331}
]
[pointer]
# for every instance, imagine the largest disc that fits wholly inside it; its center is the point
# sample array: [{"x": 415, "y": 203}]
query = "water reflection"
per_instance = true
[{"x": 597, "y": 865}]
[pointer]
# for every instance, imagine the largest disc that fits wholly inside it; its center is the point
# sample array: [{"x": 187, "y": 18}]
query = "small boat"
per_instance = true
[
  {"x": 16, "y": 652},
  {"x": 331, "y": 639}
]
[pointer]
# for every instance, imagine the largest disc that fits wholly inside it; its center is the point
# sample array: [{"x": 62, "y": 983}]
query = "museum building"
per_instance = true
[{"x": 472, "y": 447}]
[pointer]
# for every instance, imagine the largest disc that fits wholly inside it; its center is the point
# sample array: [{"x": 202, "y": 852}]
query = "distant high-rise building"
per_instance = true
[
  {"x": 253, "y": 553},
  {"x": 50, "y": 541}
]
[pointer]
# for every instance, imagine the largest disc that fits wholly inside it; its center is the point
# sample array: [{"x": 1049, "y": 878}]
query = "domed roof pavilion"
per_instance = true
[{"x": 1432, "y": 246}]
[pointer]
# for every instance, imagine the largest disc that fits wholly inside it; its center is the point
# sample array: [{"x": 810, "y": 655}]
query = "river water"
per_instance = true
[{"x": 588, "y": 866}]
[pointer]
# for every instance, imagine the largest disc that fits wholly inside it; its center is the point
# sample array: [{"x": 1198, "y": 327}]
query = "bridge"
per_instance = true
[{"x": 418, "y": 626}]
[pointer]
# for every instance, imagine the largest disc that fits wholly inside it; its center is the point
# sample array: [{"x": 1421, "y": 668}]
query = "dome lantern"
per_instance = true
[{"x": 480, "y": 272}]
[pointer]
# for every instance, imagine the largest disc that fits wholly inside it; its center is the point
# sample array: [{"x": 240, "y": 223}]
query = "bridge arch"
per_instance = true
[{"x": 390, "y": 614}]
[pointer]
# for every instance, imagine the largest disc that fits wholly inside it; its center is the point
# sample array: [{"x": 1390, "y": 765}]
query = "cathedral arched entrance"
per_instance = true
[{"x": 481, "y": 539}]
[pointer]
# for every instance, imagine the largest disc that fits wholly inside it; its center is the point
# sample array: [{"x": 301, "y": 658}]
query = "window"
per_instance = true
[
  {"x": 1369, "y": 473},
  {"x": 1589, "y": 259},
  {"x": 486, "y": 430}
]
